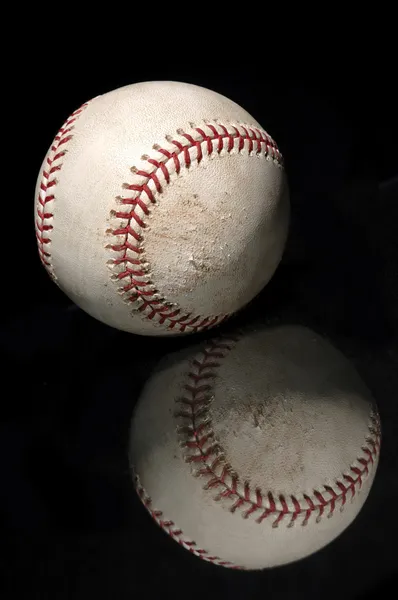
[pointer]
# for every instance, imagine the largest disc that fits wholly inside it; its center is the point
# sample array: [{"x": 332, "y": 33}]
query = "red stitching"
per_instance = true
[
  {"x": 149, "y": 301},
  {"x": 176, "y": 533},
  {"x": 195, "y": 430},
  {"x": 48, "y": 181},
  {"x": 141, "y": 291}
]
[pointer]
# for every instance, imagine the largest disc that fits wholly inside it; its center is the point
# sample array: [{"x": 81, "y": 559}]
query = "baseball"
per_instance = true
[
  {"x": 257, "y": 450},
  {"x": 161, "y": 208}
]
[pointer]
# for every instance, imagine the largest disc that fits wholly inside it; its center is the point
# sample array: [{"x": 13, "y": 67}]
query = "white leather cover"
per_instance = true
[
  {"x": 161, "y": 208},
  {"x": 255, "y": 451}
]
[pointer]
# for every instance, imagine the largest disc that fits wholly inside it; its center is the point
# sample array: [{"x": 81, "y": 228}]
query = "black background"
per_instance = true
[{"x": 73, "y": 525}]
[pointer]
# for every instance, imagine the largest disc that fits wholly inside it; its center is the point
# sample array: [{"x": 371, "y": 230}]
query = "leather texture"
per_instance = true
[
  {"x": 260, "y": 451},
  {"x": 210, "y": 226}
]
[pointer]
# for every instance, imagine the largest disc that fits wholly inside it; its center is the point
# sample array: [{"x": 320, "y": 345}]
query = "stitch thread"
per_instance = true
[
  {"x": 129, "y": 266},
  {"x": 197, "y": 439},
  {"x": 176, "y": 533},
  {"x": 206, "y": 456},
  {"x": 46, "y": 196}
]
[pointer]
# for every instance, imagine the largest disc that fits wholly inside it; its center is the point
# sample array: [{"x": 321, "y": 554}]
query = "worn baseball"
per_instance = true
[
  {"x": 257, "y": 450},
  {"x": 161, "y": 208}
]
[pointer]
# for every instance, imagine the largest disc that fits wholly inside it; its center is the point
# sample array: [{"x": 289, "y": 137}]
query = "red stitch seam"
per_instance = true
[
  {"x": 53, "y": 164},
  {"x": 177, "y": 534},
  {"x": 205, "y": 452},
  {"x": 137, "y": 287},
  {"x": 195, "y": 406}
]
